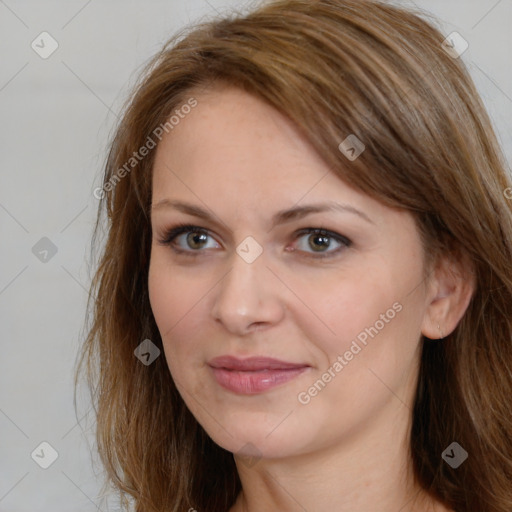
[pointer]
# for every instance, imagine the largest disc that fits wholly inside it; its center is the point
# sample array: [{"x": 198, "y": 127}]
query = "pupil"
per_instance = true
[
  {"x": 323, "y": 238},
  {"x": 196, "y": 236}
]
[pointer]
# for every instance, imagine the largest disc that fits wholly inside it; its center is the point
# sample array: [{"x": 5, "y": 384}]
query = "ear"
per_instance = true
[{"x": 451, "y": 287}]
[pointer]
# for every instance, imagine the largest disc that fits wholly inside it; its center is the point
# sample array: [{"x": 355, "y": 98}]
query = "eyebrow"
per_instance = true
[{"x": 280, "y": 217}]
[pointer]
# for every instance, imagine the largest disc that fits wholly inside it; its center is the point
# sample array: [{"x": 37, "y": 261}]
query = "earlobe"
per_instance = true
[{"x": 452, "y": 289}]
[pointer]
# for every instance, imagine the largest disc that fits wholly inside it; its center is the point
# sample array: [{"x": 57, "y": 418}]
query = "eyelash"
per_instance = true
[{"x": 172, "y": 233}]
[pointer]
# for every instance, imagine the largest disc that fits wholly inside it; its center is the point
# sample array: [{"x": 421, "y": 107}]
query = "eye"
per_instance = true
[
  {"x": 319, "y": 239},
  {"x": 196, "y": 238}
]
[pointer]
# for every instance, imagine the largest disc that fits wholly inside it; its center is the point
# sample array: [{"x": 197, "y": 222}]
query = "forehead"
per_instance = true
[
  {"x": 233, "y": 132},
  {"x": 233, "y": 144}
]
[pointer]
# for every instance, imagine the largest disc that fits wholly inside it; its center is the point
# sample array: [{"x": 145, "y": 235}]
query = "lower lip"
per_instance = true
[{"x": 250, "y": 383}]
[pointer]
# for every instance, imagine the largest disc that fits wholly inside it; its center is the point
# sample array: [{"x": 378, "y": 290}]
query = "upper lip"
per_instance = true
[{"x": 253, "y": 363}]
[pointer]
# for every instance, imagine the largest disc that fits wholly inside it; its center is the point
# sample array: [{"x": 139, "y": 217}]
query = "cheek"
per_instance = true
[
  {"x": 349, "y": 304},
  {"x": 176, "y": 302},
  {"x": 373, "y": 324},
  {"x": 175, "y": 292}
]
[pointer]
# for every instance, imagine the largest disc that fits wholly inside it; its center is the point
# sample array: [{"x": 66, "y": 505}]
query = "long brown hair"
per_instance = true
[{"x": 335, "y": 68}]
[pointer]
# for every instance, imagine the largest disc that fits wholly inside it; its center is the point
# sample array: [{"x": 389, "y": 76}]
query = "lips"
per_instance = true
[
  {"x": 253, "y": 364},
  {"x": 255, "y": 374}
]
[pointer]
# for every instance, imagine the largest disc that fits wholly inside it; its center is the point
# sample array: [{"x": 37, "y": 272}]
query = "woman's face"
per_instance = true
[{"x": 344, "y": 313}]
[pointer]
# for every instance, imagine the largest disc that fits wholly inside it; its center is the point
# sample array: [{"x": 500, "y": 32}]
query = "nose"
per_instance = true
[{"x": 248, "y": 297}]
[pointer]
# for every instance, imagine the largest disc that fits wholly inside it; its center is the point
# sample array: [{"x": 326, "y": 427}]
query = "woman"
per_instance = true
[{"x": 253, "y": 373}]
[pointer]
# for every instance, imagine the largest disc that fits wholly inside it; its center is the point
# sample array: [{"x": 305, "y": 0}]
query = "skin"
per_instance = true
[{"x": 346, "y": 449}]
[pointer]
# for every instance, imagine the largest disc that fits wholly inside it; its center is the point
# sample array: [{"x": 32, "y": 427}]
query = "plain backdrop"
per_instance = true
[{"x": 57, "y": 114}]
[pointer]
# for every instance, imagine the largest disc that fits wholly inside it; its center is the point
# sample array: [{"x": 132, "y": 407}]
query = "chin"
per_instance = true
[{"x": 253, "y": 439}]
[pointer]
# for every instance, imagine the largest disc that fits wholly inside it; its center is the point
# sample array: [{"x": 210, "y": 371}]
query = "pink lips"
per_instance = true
[{"x": 254, "y": 374}]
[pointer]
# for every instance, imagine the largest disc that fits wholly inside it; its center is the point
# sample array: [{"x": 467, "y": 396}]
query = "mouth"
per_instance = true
[{"x": 255, "y": 374}]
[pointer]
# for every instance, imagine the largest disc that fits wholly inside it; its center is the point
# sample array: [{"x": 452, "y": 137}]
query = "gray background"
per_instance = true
[{"x": 57, "y": 114}]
